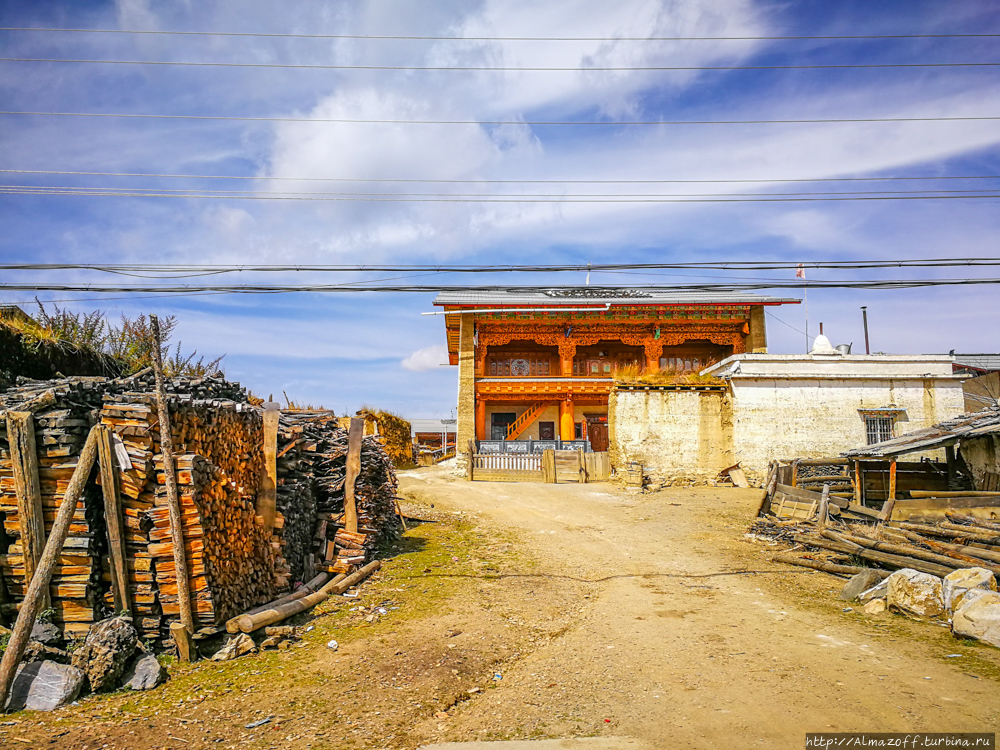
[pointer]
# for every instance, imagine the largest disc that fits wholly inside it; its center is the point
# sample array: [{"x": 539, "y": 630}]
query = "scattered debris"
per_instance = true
[
  {"x": 236, "y": 646},
  {"x": 259, "y": 723}
]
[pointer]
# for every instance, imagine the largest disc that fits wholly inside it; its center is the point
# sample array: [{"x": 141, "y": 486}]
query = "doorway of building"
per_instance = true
[
  {"x": 498, "y": 426},
  {"x": 597, "y": 432}
]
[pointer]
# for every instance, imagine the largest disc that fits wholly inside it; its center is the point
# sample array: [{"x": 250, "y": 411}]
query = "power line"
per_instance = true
[
  {"x": 507, "y": 38},
  {"x": 340, "y": 288},
  {"x": 484, "y": 182},
  {"x": 741, "y": 265},
  {"x": 575, "y": 123},
  {"x": 188, "y": 192},
  {"x": 399, "y": 198},
  {"x": 503, "y": 68}
]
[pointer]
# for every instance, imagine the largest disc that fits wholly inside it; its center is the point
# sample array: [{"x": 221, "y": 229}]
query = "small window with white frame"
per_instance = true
[{"x": 879, "y": 427}]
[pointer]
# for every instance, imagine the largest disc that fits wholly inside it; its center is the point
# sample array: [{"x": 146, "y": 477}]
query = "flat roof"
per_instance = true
[{"x": 589, "y": 295}]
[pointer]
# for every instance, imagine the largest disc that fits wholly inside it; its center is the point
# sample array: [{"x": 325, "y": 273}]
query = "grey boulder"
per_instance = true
[
  {"x": 859, "y": 584},
  {"x": 145, "y": 673},
  {"x": 47, "y": 634},
  {"x": 106, "y": 652},
  {"x": 44, "y": 685}
]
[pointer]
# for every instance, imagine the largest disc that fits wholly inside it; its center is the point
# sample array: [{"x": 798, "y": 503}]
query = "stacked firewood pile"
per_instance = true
[
  {"x": 63, "y": 416},
  {"x": 234, "y": 561},
  {"x": 312, "y": 464}
]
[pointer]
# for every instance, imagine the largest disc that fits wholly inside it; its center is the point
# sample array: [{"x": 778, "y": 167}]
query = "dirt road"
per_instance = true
[
  {"x": 680, "y": 647},
  {"x": 530, "y": 611}
]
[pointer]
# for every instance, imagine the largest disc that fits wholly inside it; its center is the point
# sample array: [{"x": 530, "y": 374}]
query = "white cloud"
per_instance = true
[{"x": 428, "y": 358}]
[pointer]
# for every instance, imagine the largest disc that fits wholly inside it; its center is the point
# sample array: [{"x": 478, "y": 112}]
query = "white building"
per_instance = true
[{"x": 781, "y": 406}]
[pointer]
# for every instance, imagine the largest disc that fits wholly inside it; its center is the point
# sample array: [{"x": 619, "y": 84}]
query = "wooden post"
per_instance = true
[
  {"x": 173, "y": 503},
  {"x": 891, "y": 501},
  {"x": 39, "y": 585},
  {"x": 354, "y": 437},
  {"x": 113, "y": 516},
  {"x": 583, "y": 467},
  {"x": 949, "y": 453},
  {"x": 795, "y": 471},
  {"x": 267, "y": 497},
  {"x": 857, "y": 481},
  {"x": 824, "y": 506},
  {"x": 549, "y": 465},
  {"x": 470, "y": 469},
  {"x": 24, "y": 462}
]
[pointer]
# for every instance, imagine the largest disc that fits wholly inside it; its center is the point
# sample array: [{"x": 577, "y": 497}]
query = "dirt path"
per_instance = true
[
  {"x": 675, "y": 649},
  {"x": 519, "y": 611}
]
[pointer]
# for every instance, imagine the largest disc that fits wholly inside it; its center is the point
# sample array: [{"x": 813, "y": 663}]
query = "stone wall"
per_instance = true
[
  {"x": 678, "y": 435},
  {"x": 816, "y": 417},
  {"x": 981, "y": 454}
]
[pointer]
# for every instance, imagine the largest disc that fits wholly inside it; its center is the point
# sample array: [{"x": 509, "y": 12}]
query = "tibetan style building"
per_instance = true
[{"x": 536, "y": 367}]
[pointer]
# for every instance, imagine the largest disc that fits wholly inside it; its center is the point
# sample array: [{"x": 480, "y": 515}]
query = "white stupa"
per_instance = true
[{"x": 822, "y": 345}]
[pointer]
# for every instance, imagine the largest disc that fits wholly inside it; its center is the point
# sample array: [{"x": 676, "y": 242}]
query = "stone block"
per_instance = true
[
  {"x": 915, "y": 593},
  {"x": 859, "y": 584},
  {"x": 44, "y": 686},
  {"x": 145, "y": 673},
  {"x": 958, "y": 583},
  {"x": 106, "y": 652},
  {"x": 878, "y": 591},
  {"x": 978, "y": 617}
]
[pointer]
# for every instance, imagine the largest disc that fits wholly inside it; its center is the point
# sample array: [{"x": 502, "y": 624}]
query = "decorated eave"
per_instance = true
[{"x": 595, "y": 304}]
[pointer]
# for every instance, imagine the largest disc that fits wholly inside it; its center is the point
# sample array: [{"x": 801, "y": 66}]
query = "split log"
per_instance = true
[{"x": 340, "y": 584}]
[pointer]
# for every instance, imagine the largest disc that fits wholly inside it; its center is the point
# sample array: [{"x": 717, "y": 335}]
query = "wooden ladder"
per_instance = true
[{"x": 519, "y": 425}]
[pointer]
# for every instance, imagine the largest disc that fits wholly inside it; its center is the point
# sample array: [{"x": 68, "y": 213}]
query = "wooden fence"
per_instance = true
[{"x": 550, "y": 466}]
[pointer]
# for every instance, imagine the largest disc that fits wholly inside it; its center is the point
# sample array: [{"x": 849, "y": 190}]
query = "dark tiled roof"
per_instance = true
[
  {"x": 948, "y": 432},
  {"x": 597, "y": 295}
]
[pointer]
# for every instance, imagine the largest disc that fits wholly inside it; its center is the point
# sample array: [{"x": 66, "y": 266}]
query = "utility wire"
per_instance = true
[
  {"x": 400, "y": 198},
  {"x": 741, "y": 265},
  {"x": 490, "y": 182},
  {"x": 358, "y": 288},
  {"x": 503, "y": 68},
  {"x": 184, "y": 192},
  {"x": 574, "y": 123},
  {"x": 505, "y": 38}
]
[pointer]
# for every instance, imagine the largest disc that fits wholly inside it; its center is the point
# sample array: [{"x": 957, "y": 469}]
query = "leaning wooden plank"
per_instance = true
[
  {"x": 173, "y": 503},
  {"x": 798, "y": 493},
  {"x": 24, "y": 463},
  {"x": 354, "y": 437},
  {"x": 826, "y": 567},
  {"x": 340, "y": 584},
  {"x": 943, "y": 493},
  {"x": 40, "y": 582},
  {"x": 113, "y": 515}
]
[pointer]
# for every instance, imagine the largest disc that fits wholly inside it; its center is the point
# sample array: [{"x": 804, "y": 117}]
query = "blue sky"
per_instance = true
[{"x": 348, "y": 350}]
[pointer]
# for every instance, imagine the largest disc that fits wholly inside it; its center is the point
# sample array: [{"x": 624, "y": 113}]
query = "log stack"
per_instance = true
[
  {"x": 318, "y": 459},
  {"x": 235, "y": 561},
  {"x": 61, "y": 427}
]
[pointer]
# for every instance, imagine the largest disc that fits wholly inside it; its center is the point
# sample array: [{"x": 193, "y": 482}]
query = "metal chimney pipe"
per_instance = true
[{"x": 864, "y": 317}]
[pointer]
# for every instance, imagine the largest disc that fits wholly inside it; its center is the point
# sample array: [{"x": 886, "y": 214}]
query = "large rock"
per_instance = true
[
  {"x": 915, "y": 593},
  {"x": 878, "y": 591},
  {"x": 145, "y": 673},
  {"x": 106, "y": 652},
  {"x": 47, "y": 634},
  {"x": 237, "y": 645},
  {"x": 958, "y": 583},
  {"x": 978, "y": 617},
  {"x": 44, "y": 685},
  {"x": 859, "y": 584}
]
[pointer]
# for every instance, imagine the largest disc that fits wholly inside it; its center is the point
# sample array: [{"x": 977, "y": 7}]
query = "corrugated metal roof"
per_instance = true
[
  {"x": 985, "y": 362},
  {"x": 945, "y": 433},
  {"x": 598, "y": 296}
]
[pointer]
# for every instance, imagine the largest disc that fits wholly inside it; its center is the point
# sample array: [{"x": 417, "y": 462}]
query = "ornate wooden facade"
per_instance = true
[{"x": 522, "y": 354}]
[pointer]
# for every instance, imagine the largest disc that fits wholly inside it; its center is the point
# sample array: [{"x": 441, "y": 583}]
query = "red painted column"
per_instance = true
[{"x": 480, "y": 419}]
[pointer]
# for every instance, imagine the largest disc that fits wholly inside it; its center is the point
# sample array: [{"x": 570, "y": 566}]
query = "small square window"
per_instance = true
[{"x": 878, "y": 429}]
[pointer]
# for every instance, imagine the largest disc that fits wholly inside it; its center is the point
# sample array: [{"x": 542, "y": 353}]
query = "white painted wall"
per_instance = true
[
  {"x": 817, "y": 417},
  {"x": 677, "y": 435}
]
